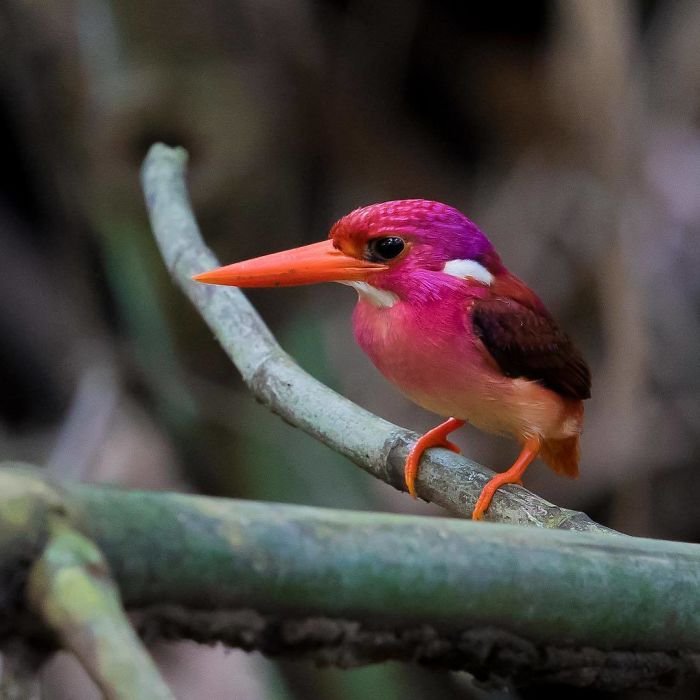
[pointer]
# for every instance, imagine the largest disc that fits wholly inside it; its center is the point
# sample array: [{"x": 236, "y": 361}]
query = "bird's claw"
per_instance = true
[
  {"x": 437, "y": 437},
  {"x": 512, "y": 476}
]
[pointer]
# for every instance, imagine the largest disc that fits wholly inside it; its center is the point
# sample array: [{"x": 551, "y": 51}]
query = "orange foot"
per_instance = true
[
  {"x": 531, "y": 448},
  {"x": 437, "y": 437}
]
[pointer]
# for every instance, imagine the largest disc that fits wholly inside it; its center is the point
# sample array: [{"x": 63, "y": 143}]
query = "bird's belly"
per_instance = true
[{"x": 439, "y": 364}]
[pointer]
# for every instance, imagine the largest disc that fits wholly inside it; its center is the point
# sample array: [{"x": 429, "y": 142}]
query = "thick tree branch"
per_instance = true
[
  {"x": 376, "y": 445},
  {"x": 348, "y": 588}
]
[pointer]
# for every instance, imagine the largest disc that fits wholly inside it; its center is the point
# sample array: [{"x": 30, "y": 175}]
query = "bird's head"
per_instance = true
[{"x": 405, "y": 248}]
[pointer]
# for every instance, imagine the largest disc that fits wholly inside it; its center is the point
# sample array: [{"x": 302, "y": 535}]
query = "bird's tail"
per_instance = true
[{"x": 562, "y": 455}]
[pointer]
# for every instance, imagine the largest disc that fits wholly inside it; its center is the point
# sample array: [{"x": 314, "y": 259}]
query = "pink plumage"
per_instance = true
[
  {"x": 427, "y": 343},
  {"x": 444, "y": 320}
]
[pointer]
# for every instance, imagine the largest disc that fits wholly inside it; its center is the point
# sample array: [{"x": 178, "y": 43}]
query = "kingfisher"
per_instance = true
[{"x": 444, "y": 320}]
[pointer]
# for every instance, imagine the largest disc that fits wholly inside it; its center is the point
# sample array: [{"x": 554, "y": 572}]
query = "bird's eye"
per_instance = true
[{"x": 382, "y": 249}]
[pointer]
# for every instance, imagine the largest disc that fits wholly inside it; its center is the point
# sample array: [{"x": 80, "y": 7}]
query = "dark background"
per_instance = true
[{"x": 568, "y": 130}]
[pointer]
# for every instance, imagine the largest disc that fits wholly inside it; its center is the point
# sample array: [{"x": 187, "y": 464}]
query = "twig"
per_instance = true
[
  {"x": 376, "y": 445},
  {"x": 70, "y": 588}
]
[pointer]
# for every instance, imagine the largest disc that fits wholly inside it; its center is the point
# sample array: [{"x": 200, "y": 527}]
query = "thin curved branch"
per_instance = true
[{"x": 374, "y": 444}]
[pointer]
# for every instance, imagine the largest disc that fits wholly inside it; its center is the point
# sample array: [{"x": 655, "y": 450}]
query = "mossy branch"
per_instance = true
[
  {"x": 349, "y": 588},
  {"x": 70, "y": 588},
  {"x": 55, "y": 586},
  {"x": 374, "y": 444}
]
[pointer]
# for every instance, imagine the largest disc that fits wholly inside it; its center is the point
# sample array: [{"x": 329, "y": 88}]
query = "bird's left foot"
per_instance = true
[
  {"x": 514, "y": 475},
  {"x": 437, "y": 437}
]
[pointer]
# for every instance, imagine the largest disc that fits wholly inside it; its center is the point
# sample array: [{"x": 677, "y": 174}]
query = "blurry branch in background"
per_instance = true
[
  {"x": 339, "y": 587},
  {"x": 375, "y": 445}
]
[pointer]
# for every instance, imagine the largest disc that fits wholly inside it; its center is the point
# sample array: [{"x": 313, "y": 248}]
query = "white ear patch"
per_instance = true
[
  {"x": 375, "y": 296},
  {"x": 468, "y": 268}
]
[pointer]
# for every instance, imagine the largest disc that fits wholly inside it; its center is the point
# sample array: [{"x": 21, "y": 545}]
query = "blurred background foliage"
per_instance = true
[{"x": 568, "y": 130}]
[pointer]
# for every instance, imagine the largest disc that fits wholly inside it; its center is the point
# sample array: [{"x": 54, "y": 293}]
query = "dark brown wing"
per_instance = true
[{"x": 526, "y": 342}]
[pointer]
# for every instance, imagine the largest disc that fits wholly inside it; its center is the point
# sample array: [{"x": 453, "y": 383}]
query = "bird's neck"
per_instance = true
[{"x": 418, "y": 288}]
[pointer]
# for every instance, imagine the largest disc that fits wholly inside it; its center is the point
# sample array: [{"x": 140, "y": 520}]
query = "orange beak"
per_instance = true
[{"x": 318, "y": 262}]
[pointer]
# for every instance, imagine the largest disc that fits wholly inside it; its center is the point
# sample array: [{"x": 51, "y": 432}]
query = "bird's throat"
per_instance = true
[{"x": 381, "y": 298}]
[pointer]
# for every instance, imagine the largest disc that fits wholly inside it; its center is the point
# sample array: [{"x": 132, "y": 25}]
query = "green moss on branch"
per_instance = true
[
  {"x": 69, "y": 587},
  {"x": 349, "y": 588}
]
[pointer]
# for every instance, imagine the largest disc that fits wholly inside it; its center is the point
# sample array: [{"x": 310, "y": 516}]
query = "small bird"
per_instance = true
[{"x": 444, "y": 320}]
